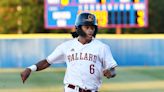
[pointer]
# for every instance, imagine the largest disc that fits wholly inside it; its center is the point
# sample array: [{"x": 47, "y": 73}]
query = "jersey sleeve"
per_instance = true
[
  {"x": 107, "y": 58},
  {"x": 57, "y": 56}
]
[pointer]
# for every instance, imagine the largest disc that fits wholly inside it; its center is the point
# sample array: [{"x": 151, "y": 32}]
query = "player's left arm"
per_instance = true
[
  {"x": 109, "y": 73},
  {"x": 109, "y": 63}
]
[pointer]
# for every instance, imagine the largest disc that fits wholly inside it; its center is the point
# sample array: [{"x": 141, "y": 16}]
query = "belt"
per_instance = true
[{"x": 80, "y": 89}]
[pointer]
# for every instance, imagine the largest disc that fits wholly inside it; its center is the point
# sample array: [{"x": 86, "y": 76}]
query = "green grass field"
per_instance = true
[{"x": 128, "y": 79}]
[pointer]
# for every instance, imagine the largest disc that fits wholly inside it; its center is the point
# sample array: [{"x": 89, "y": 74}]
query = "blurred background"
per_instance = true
[{"x": 31, "y": 29}]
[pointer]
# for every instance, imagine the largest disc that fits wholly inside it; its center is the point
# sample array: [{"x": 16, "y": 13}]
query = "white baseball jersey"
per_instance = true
[{"x": 85, "y": 62}]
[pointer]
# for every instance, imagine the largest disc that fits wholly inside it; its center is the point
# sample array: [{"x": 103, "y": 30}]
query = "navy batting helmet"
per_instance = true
[{"x": 85, "y": 19}]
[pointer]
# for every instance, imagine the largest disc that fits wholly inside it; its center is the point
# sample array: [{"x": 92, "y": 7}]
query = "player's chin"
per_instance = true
[{"x": 89, "y": 36}]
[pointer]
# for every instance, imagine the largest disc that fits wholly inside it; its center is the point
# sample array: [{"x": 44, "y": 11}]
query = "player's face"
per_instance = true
[{"x": 89, "y": 30}]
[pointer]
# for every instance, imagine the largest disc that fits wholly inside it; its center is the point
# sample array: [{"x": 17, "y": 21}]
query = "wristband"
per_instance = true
[{"x": 33, "y": 67}]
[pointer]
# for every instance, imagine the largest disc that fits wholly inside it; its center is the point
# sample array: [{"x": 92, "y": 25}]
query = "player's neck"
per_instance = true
[{"x": 84, "y": 40}]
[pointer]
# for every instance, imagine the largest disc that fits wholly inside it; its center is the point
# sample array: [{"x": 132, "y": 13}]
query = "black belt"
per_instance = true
[{"x": 80, "y": 89}]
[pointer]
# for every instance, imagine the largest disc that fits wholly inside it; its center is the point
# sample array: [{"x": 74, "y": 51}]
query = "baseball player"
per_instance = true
[{"x": 87, "y": 58}]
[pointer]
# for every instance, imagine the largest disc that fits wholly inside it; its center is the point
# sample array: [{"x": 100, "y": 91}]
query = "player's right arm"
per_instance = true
[
  {"x": 43, "y": 64},
  {"x": 57, "y": 56}
]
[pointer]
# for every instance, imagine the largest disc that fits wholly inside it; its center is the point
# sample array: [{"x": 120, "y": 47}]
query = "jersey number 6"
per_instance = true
[{"x": 92, "y": 70}]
